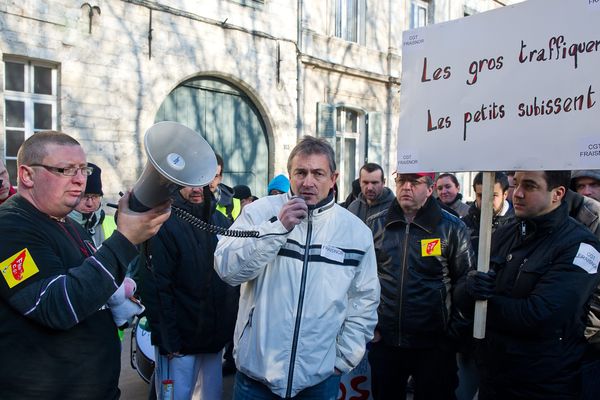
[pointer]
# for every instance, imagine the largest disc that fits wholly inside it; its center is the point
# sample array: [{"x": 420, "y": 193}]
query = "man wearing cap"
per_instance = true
[
  {"x": 374, "y": 197},
  {"x": 423, "y": 255},
  {"x": 278, "y": 185},
  {"x": 586, "y": 183},
  {"x": 6, "y": 189},
  {"x": 243, "y": 194},
  {"x": 89, "y": 213}
]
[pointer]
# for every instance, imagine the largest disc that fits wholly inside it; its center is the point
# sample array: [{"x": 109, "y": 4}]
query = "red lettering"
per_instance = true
[
  {"x": 363, "y": 394},
  {"x": 424, "y": 75}
]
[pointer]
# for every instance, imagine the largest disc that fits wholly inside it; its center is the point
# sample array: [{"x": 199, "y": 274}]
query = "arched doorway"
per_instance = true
[{"x": 229, "y": 121}]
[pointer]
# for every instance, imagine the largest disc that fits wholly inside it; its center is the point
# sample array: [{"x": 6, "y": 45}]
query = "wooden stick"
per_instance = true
[{"x": 483, "y": 257}]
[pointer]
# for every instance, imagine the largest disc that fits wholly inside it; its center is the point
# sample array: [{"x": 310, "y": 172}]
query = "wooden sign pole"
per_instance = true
[{"x": 483, "y": 257}]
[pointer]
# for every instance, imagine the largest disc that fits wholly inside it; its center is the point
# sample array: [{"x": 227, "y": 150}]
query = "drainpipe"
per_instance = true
[{"x": 299, "y": 73}]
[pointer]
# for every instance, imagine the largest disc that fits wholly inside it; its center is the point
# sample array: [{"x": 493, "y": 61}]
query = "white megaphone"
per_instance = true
[{"x": 177, "y": 157}]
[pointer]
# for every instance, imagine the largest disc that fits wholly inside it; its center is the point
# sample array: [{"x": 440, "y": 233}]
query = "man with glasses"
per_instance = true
[
  {"x": 423, "y": 255},
  {"x": 89, "y": 213},
  {"x": 58, "y": 338}
]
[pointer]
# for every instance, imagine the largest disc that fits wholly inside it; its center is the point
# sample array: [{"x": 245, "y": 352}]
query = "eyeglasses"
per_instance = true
[
  {"x": 93, "y": 197},
  {"x": 68, "y": 171},
  {"x": 413, "y": 182}
]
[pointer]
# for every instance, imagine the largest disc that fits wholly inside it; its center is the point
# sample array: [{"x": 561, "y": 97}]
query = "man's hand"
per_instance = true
[
  {"x": 481, "y": 285},
  {"x": 139, "y": 227},
  {"x": 376, "y": 336},
  {"x": 293, "y": 212},
  {"x": 173, "y": 355}
]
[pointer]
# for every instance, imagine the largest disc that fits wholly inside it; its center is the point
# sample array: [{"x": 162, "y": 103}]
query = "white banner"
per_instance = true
[{"x": 514, "y": 88}]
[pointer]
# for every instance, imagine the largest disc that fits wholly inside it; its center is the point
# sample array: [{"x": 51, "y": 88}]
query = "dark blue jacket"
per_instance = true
[
  {"x": 535, "y": 322},
  {"x": 189, "y": 308}
]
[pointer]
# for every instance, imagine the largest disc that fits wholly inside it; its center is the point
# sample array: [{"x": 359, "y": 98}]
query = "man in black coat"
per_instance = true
[
  {"x": 503, "y": 213},
  {"x": 191, "y": 311},
  {"x": 423, "y": 255},
  {"x": 544, "y": 270}
]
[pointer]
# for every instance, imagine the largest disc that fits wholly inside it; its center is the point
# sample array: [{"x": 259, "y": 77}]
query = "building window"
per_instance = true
[
  {"x": 350, "y": 20},
  {"x": 418, "y": 13},
  {"x": 30, "y": 104},
  {"x": 258, "y": 4},
  {"x": 349, "y": 149}
]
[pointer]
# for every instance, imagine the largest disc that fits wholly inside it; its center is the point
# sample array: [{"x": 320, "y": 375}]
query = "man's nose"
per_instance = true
[
  {"x": 518, "y": 192},
  {"x": 308, "y": 180},
  {"x": 79, "y": 177},
  {"x": 587, "y": 190}
]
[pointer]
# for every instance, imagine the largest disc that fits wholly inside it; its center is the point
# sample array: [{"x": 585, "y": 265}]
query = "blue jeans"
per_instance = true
[{"x": 246, "y": 388}]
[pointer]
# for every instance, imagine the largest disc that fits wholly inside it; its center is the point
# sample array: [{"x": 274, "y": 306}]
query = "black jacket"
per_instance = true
[
  {"x": 57, "y": 338},
  {"x": 363, "y": 210},
  {"x": 195, "y": 310},
  {"x": 473, "y": 220},
  {"x": 535, "y": 322},
  {"x": 421, "y": 268}
]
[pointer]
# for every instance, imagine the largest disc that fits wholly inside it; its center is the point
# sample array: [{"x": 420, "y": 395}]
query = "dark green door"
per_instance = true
[{"x": 231, "y": 124}]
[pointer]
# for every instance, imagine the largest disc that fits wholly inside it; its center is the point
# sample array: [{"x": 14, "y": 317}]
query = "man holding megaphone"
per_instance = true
[{"x": 58, "y": 338}]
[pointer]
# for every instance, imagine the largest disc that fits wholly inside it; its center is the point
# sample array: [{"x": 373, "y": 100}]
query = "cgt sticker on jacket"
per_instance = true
[
  {"x": 431, "y": 247},
  {"x": 18, "y": 268}
]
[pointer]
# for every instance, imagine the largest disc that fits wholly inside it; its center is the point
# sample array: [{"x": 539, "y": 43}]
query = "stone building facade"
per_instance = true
[{"x": 251, "y": 76}]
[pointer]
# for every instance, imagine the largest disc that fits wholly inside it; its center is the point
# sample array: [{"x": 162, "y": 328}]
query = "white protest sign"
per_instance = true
[{"x": 509, "y": 89}]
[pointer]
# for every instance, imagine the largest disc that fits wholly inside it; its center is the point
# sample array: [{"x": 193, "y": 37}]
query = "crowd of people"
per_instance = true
[{"x": 388, "y": 275}]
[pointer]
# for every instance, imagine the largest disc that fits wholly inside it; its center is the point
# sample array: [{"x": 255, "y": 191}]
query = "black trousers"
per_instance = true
[{"x": 433, "y": 371}]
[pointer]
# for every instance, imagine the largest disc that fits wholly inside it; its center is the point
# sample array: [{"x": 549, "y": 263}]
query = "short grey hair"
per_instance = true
[{"x": 311, "y": 145}]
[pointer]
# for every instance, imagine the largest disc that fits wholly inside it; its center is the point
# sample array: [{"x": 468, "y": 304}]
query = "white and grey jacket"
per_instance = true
[{"x": 309, "y": 297}]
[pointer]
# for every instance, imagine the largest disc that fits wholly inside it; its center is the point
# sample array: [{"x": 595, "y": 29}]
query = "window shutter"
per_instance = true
[
  {"x": 374, "y": 138},
  {"x": 326, "y": 114},
  {"x": 326, "y": 120}
]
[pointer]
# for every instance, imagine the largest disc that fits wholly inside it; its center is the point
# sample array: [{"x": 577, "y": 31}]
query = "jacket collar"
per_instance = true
[
  {"x": 456, "y": 200},
  {"x": 326, "y": 204},
  {"x": 543, "y": 224},
  {"x": 427, "y": 217},
  {"x": 383, "y": 197}
]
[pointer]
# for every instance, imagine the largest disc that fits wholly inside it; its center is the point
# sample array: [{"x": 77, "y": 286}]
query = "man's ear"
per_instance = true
[
  {"x": 334, "y": 177},
  {"x": 558, "y": 193},
  {"x": 25, "y": 174}
]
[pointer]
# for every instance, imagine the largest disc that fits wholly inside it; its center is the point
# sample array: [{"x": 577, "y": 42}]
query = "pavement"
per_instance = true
[{"x": 133, "y": 386}]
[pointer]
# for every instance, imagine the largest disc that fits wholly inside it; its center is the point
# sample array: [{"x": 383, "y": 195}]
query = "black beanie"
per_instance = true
[{"x": 94, "y": 181}]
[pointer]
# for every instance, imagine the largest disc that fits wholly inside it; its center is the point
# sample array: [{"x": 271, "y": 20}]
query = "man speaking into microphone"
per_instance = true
[{"x": 309, "y": 294}]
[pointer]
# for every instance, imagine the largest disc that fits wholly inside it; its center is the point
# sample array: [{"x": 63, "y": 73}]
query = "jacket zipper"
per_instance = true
[
  {"x": 520, "y": 269},
  {"x": 300, "y": 304},
  {"x": 403, "y": 266}
]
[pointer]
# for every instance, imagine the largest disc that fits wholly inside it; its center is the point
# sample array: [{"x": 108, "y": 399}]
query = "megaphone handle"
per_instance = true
[{"x": 136, "y": 205}]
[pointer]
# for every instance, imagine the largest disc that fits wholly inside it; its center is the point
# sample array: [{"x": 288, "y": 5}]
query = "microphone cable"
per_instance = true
[{"x": 217, "y": 230}]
